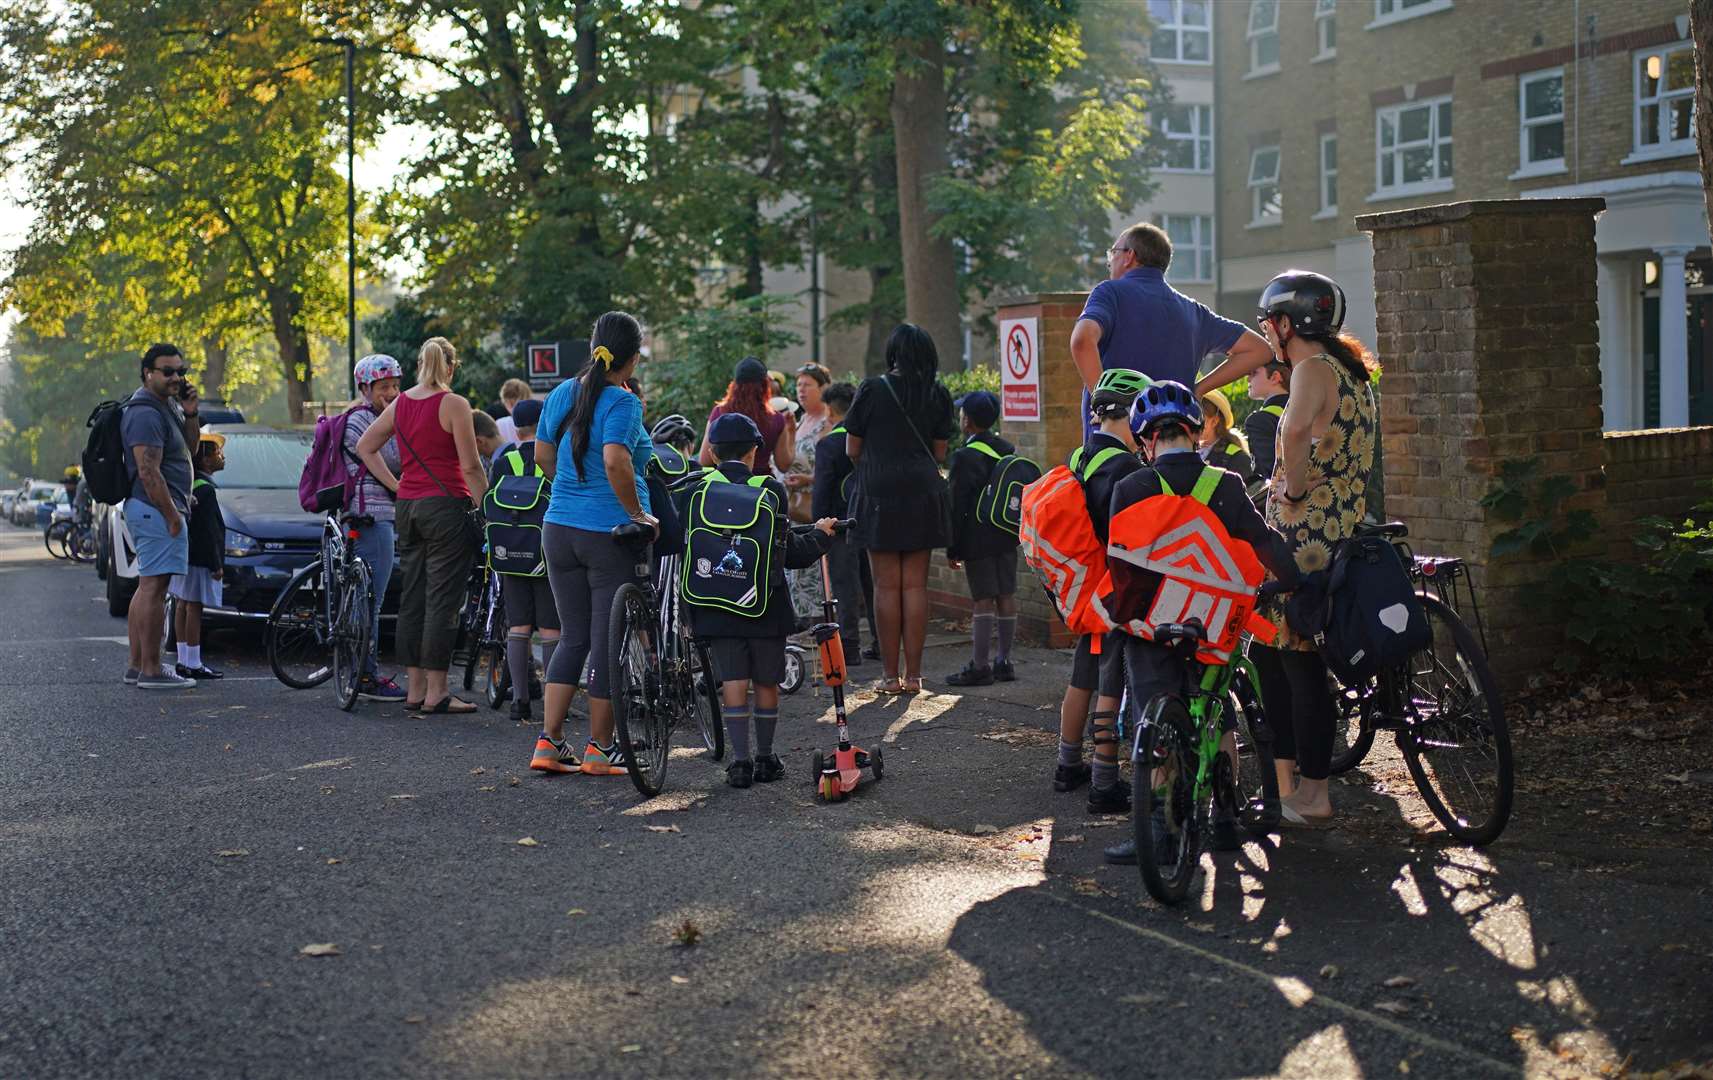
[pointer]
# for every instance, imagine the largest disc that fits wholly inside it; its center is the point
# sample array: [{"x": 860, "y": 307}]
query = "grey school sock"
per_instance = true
[
  {"x": 737, "y": 729},
  {"x": 1070, "y": 754},
  {"x": 981, "y": 632},
  {"x": 766, "y": 722},
  {"x": 517, "y": 659},
  {"x": 1007, "y": 634}
]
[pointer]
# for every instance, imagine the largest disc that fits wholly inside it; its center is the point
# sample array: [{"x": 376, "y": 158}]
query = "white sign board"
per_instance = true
[{"x": 1020, "y": 369}]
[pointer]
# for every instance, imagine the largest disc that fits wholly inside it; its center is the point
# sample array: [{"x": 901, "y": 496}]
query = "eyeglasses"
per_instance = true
[
  {"x": 1116, "y": 249},
  {"x": 173, "y": 372}
]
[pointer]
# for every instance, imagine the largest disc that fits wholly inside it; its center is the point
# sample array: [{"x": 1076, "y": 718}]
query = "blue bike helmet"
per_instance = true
[{"x": 1165, "y": 400}]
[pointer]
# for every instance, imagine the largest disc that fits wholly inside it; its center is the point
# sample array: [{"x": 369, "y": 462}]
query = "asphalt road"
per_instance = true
[{"x": 164, "y": 858}]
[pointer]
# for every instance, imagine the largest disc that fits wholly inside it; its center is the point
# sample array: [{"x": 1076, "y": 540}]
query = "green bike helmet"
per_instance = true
[{"x": 1115, "y": 391}]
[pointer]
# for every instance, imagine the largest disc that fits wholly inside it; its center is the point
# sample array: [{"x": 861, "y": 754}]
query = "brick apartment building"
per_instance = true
[{"x": 1326, "y": 109}]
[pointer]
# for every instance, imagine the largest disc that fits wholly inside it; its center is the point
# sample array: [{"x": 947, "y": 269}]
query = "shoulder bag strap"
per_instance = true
[{"x": 920, "y": 441}]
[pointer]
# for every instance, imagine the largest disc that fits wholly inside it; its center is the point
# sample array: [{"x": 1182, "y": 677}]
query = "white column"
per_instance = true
[
  {"x": 1615, "y": 355},
  {"x": 1673, "y": 339}
]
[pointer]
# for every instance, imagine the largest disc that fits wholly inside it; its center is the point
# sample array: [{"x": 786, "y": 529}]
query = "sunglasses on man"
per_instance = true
[{"x": 173, "y": 372}]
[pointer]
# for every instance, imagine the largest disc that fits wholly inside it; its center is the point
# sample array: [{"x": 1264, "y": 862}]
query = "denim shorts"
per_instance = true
[{"x": 158, "y": 552}]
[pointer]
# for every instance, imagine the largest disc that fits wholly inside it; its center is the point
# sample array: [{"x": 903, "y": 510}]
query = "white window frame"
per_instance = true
[
  {"x": 1199, "y": 136},
  {"x": 1180, "y": 28},
  {"x": 1327, "y": 209},
  {"x": 1654, "y": 151},
  {"x": 1325, "y": 15},
  {"x": 1400, "y": 14},
  {"x": 1399, "y": 189},
  {"x": 1548, "y": 166},
  {"x": 1200, "y": 247},
  {"x": 1255, "y": 36},
  {"x": 1256, "y": 220}
]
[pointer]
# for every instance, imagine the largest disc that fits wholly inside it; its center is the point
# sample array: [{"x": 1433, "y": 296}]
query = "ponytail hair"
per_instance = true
[
  {"x": 911, "y": 355},
  {"x": 615, "y": 342},
  {"x": 1349, "y": 351},
  {"x": 436, "y": 362}
]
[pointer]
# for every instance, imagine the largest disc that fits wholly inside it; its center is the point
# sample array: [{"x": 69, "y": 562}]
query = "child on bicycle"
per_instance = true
[
  {"x": 747, "y": 648},
  {"x": 1178, "y": 500},
  {"x": 199, "y": 586}
]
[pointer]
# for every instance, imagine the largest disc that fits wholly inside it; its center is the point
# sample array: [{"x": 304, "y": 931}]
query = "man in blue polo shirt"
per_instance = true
[{"x": 1137, "y": 321}]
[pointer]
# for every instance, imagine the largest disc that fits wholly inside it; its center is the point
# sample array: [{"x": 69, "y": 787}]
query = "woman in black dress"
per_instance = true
[{"x": 896, "y": 432}]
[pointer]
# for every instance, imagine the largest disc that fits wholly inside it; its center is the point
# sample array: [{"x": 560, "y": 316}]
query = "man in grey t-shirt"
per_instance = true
[{"x": 157, "y": 432}]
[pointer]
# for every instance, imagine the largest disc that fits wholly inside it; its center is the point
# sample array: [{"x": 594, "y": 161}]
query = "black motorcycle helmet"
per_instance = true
[{"x": 1313, "y": 303}]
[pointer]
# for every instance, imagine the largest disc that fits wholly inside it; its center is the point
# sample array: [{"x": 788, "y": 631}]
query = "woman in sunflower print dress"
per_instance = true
[{"x": 1319, "y": 492}]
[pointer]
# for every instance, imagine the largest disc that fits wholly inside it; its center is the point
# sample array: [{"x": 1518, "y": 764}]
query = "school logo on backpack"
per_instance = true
[
  {"x": 514, "y": 508},
  {"x": 1000, "y": 501},
  {"x": 728, "y": 543}
]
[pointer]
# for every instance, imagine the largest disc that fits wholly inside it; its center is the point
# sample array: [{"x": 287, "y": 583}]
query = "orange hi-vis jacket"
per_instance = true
[
  {"x": 1172, "y": 559},
  {"x": 1059, "y": 542}
]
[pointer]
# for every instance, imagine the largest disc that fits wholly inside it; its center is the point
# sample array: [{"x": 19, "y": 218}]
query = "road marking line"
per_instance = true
[{"x": 1331, "y": 1004}]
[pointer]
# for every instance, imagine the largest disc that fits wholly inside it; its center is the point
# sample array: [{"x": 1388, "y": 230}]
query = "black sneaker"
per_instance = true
[
  {"x": 971, "y": 676},
  {"x": 740, "y": 773},
  {"x": 1109, "y": 800},
  {"x": 185, "y": 671},
  {"x": 1071, "y": 777},
  {"x": 853, "y": 655},
  {"x": 872, "y": 652},
  {"x": 1003, "y": 671},
  {"x": 768, "y": 769},
  {"x": 1121, "y": 854},
  {"x": 1165, "y": 850},
  {"x": 520, "y": 711}
]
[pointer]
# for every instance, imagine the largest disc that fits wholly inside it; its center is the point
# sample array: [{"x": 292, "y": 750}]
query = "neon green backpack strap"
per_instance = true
[
  {"x": 1205, "y": 485},
  {"x": 984, "y": 448},
  {"x": 756, "y": 481},
  {"x": 1165, "y": 488},
  {"x": 1232, "y": 449},
  {"x": 1276, "y": 410},
  {"x": 840, "y": 430},
  {"x": 514, "y": 461},
  {"x": 199, "y": 482}
]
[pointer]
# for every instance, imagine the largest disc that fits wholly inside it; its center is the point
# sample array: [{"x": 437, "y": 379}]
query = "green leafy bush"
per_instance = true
[{"x": 702, "y": 348}]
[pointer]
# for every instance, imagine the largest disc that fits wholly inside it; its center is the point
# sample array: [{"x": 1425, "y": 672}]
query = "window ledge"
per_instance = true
[
  {"x": 1540, "y": 168},
  {"x": 1185, "y": 63},
  {"x": 1321, "y": 58},
  {"x": 1324, "y": 215},
  {"x": 1684, "y": 148},
  {"x": 1261, "y": 73},
  {"x": 1184, "y": 172},
  {"x": 1266, "y": 223},
  {"x": 1431, "y": 187},
  {"x": 1407, "y": 14}
]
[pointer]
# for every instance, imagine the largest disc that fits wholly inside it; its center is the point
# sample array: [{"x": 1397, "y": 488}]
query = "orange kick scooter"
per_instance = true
[{"x": 837, "y": 774}]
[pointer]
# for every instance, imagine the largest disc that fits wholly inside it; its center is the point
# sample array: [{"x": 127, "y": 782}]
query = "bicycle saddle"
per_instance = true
[
  {"x": 1390, "y": 528},
  {"x": 633, "y": 534},
  {"x": 1189, "y": 631}
]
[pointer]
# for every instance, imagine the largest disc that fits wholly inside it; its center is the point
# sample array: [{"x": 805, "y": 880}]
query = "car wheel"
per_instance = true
[{"x": 118, "y": 598}]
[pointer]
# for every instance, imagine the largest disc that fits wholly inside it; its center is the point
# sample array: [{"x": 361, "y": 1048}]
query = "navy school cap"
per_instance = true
[
  {"x": 734, "y": 428},
  {"x": 749, "y": 369},
  {"x": 981, "y": 406},
  {"x": 526, "y": 413}
]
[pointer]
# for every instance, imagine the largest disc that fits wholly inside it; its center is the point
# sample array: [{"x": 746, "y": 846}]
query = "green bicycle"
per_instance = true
[{"x": 1202, "y": 750}]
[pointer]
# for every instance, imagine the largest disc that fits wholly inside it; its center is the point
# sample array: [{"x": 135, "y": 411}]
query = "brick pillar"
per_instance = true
[
  {"x": 1049, "y": 441},
  {"x": 1488, "y": 334}
]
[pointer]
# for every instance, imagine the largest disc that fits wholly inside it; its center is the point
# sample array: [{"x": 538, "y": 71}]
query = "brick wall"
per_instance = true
[{"x": 1656, "y": 473}]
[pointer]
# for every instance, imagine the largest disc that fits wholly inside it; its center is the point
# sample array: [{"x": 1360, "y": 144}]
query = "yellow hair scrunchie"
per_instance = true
[{"x": 604, "y": 356}]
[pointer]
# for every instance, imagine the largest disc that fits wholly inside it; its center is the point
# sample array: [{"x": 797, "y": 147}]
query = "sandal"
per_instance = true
[
  {"x": 446, "y": 705},
  {"x": 892, "y": 685},
  {"x": 412, "y": 706},
  {"x": 1288, "y": 815},
  {"x": 913, "y": 685}
]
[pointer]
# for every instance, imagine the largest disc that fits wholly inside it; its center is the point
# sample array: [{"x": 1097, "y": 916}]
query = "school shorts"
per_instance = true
[
  {"x": 760, "y": 660},
  {"x": 1103, "y": 674},
  {"x": 991, "y": 577}
]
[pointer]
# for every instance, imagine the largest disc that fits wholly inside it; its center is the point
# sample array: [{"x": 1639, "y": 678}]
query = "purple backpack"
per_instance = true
[{"x": 328, "y": 480}]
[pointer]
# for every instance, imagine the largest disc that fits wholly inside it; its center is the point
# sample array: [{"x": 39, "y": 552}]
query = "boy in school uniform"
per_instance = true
[
  {"x": 750, "y": 649},
  {"x": 1169, "y": 419},
  {"x": 1270, "y": 385},
  {"x": 528, "y": 601},
  {"x": 200, "y": 585},
  {"x": 987, "y": 555},
  {"x": 829, "y": 497}
]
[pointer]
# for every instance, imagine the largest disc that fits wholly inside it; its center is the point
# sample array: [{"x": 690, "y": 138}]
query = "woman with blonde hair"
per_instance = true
[{"x": 440, "y": 481}]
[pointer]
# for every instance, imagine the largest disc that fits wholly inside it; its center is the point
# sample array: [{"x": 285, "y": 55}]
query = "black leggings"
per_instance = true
[{"x": 1299, "y": 708}]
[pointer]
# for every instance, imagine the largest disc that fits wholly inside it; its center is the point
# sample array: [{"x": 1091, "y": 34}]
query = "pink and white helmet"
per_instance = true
[{"x": 374, "y": 367}]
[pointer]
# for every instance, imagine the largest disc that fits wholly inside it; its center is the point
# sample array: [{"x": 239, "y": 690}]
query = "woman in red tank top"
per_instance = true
[{"x": 441, "y": 478}]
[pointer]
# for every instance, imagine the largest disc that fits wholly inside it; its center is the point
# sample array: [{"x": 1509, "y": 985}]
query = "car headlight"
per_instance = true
[{"x": 238, "y": 545}]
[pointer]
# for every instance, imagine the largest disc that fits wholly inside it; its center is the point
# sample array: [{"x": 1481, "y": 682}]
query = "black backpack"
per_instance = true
[
  {"x": 513, "y": 509},
  {"x": 999, "y": 504},
  {"x": 104, "y": 454},
  {"x": 729, "y": 533},
  {"x": 1366, "y": 617}
]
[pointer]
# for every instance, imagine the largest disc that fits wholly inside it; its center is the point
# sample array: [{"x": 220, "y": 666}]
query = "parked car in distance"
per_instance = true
[
  {"x": 7, "y": 498},
  {"x": 33, "y": 493},
  {"x": 268, "y": 534},
  {"x": 213, "y": 410}
]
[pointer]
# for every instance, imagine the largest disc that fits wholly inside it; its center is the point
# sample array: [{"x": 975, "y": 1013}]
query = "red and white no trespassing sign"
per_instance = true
[{"x": 1020, "y": 369}]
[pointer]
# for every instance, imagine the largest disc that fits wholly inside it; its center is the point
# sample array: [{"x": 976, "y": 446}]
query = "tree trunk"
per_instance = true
[
  {"x": 214, "y": 352},
  {"x": 285, "y": 309},
  {"x": 920, "y": 130},
  {"x": 881, "y": 320},
  {"x": 753, "y": 271},
  {"x": 1701, "y": 31}
]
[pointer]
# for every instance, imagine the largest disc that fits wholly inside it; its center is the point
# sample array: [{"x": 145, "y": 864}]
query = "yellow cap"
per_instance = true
[
  {"x": 1220, "y": 405},
  {"x": 213, "y": 437}
]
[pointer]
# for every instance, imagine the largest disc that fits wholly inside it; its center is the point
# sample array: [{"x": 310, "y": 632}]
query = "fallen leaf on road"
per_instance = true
[
  {"x": 415, "y": 1018},
  {"x": 1204, "y": 927},
  {"x": 1398, "y": 982},
  {"x": 630, "y": 1048},
  {"x": 401, "y": 796},
  {"x": 1676, "y": 778},
  {"x": 687, "y": 935},
  {"x": 576, "y": 911},
  {"x": 489, "y": 787},
  {"x": 477, "y": 771},
  {"x": 1142, "y": 999},
  {"x": 1074, "y": 838},
  {"x": 663, "y": 828},
  {"x": 327, "y": 789},
  {"x": 334, "y": 862},
  {"x": 325, "y": 948},
  {"x": 529, "y": 841},
  {"x": 512, "y": 781},
  {"x": 232, "y": 853},
  {"x": 228, "y": 746},
  {"x": 1673, "y": 947},
  {"x": 1396, "y": 1008},
  {"x": 983, "y": 830},
  {"x": 1329, "y": 971},
  {"x": 680, "y": 980},
  {"x": 1088, "y": 886}
]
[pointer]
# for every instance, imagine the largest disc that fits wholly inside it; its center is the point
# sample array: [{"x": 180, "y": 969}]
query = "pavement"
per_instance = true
[{"x": 166, "y": 858}]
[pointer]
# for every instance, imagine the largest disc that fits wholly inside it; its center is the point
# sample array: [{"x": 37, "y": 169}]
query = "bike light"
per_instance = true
[
  {"x": 239, "y": 545},
  {"x": 353, "y": 535}
]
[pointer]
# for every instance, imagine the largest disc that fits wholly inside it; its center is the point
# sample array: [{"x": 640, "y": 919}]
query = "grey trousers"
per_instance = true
[
  {"x": 585, "y": 569},
  {"x": 434, "y": 569}
]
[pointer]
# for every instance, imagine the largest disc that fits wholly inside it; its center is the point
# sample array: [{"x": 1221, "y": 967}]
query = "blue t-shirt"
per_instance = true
[
  {"x": 589, "y": 503},
  {"x": 1148, "y": 326}
]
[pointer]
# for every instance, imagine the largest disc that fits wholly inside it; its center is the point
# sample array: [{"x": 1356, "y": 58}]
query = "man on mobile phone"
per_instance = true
[{"x": 156, "y": 428}]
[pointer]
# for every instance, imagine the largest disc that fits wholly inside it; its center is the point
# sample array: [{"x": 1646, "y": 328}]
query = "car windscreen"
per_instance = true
[
  {"x": 264, "y": 459},
  {"x": 42, "y": 491}
]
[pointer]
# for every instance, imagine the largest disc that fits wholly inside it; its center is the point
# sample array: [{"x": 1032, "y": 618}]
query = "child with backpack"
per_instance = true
[
  {"x": 986, "y": 553},
  {"x": 1270, "y": 384},
  {"x": 830, "y": 497},
  {"x": 199, "y": 586},
  {"x": 1221, "y": 443},
  {"x": 515, "y": 506},
  {"x": 1172, "y": 522},
  {"x": 739, "y": 543}
]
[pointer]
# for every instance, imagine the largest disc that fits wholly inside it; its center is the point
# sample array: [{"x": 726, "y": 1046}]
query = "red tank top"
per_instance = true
[{"x": 418, "y": 422}]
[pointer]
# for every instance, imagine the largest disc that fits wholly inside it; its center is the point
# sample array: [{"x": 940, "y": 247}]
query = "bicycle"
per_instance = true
[
  {"x": 1442, "y": 706},
  {"x": 659, "y": 676},
  {"x": 70, "y": 540},
  {"x": 321, "y": 625},
  {"x": 482, "y": 636},
  {"x": 1183, "y": 771}
]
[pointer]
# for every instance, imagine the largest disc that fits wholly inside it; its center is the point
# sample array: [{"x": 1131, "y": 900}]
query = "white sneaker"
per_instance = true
[{"x": 166, "y": 680}]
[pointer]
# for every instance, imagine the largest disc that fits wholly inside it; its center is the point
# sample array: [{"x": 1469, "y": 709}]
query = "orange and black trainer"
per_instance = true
[
  {"x": 553, "y": 757},
  {"x": 601, "y": 760}
]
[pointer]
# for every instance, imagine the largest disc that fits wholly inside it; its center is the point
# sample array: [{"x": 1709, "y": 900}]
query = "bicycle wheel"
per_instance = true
[
  {"x": 351, "y": 630},
  {"x": 1351, "y": 737},
  {"x": 298, "y": 640},
  {"x": 83, "y": 544},
  {"x": 53, "y": 537},
  {"x": 710, "y": 722},
  {"x": 1255, "y": 779},
  {"x": 496, "y": 686},
  {"x": 1164, "y": 815},
  {"x": 639, "y": 723},
  {"x": 1455, "y": 740}
]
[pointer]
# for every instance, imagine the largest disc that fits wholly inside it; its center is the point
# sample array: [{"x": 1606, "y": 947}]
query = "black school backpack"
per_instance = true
[
  {"x": 514, "y": 508},
  {"x": 1000, "y": 501},
  {"x": 729, "y": 529},
  {"x": 1368, "y": 616}
]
